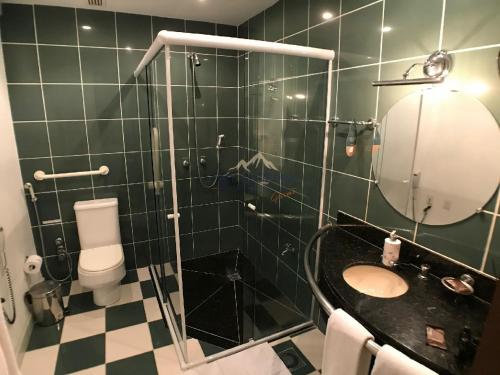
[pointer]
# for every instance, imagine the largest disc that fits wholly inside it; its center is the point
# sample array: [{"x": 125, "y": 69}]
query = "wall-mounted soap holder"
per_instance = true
[{"x": 462, "y": 285}]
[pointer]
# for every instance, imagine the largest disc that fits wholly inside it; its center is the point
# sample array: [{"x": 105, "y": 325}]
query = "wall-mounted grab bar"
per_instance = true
[
  {"x": 371, "y": 345},
  {"x": 41, "y": 175}
]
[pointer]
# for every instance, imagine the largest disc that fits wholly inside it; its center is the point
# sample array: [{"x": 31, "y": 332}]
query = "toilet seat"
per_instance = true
[{"x": 101, "y": 259}]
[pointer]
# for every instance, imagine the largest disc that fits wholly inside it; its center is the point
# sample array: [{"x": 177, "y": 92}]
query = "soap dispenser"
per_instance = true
[{"x": 391, "y": 250}]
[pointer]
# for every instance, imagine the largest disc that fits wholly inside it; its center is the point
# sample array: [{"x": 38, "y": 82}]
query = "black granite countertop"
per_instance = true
[{"x": 401, "y": 321}]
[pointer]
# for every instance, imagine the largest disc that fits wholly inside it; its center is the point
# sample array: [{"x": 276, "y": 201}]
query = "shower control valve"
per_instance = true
[{"x": 203, "y": 160}]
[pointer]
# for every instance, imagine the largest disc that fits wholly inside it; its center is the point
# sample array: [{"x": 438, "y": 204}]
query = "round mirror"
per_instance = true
[{"x": 436, "y": 156}]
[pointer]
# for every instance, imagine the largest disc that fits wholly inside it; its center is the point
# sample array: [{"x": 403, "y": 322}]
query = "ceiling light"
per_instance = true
[
  {"x": 300, "y": 96},
  {"x": 86, "y": 27},
  {"x": 327, "y": 15},
  {"x": 386, "y": 29}
]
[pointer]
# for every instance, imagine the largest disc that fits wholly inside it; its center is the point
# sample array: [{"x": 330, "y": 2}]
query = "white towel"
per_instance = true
[
  {"x": 344, "y": 352},
  {"x": 390, "y": 361}
]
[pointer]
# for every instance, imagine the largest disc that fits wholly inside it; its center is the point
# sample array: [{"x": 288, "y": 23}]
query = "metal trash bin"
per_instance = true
[{"x": 45, "y": 302}]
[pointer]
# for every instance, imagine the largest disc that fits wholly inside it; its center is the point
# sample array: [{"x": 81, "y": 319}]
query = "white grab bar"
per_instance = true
[{"x": 41, "y": 175}]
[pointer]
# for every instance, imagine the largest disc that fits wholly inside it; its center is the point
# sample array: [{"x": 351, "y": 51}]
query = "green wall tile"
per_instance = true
[
  {"x": 293, "y": 140},
  {"x": 102, "y": 102},
  {"x": 63, "y": 102},
  {"x": 482, "y": 25},
  {"x": 356, "y": 98},
  {"x": 227, "y": 72},
  {"x": 256, "y": 27},
  {"x": 178, "y": 64},
  {"x": 26, "y": 102},
  {"x": 134, "y": 31},
  {"x": 59, "y": 64},
  {"x": 296, "y": 12},
  {"x": 360, "y": 37},
  {"x": 21, "y": 65},
  {"x": 316, "y": 96},
  {"x": 325, "y": 36},
  {"x": 274, "y": 22},
  {"x": 99, "y": 65},
  {"x": 463, "y": 241},
  {"x": 128, "y": 60},
  {"x": 55, "y": 25},
  {"x": 227, "y": 105},
  {"x": 14, "y": 15},
  {"x": 296, "y": 65},
  {"x": 105, "y": 136},
  {"x": 404, "y": 18},
  {"x": 32, "y": 140},
  {"x": 493, "y": 261},
  {"x": 349, "y": 195},
  {"x": 295, "y": 99},
  {"x": 68, "y": 138},
  {"x": 102, "y": 28}
]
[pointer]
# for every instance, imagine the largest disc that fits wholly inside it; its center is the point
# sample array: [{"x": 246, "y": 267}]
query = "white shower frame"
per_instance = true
[{"x": 166, "y": 39}]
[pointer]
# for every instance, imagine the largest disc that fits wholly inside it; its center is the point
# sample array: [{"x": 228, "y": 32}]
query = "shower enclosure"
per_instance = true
[{"x": 213, "y": 224}]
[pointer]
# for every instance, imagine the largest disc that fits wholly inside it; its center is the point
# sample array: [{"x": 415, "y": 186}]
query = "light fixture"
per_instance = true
[
  {"x": 376, "y": 140},
  {"x": 289, "y": 97},
  {"x": 350, "y": 143},
  {"x": 327, "y": 15},
  {"x": 300, "y": 96},
  {"x": 386, "y": 29},
  {"x": 86, "y": 27}
]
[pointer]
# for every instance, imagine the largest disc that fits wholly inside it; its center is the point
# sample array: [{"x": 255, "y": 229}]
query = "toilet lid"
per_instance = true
[{"x": 101, "y": 258}]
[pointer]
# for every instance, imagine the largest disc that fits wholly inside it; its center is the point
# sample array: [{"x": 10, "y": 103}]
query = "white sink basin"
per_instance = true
[{"x": 375, "y": 281}]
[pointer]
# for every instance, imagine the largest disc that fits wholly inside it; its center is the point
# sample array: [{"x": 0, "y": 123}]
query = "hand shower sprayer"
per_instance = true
[
  {"x": 220, "y": 137},
  {"x": 30, "y": 189}
]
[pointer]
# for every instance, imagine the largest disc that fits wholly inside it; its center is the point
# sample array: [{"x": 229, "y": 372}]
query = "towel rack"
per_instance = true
[
  {"x": 41, "y": 175},
  {"x": 370, "y": 123},
  {"x": 371, "y": 345}
]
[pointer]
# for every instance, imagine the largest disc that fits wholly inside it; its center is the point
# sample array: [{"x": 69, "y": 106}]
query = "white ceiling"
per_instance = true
[{"x": 230, "y": 12}]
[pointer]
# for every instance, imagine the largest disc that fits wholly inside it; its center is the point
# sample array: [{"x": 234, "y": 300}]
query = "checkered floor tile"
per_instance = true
[{"x": 130, "y": 337}]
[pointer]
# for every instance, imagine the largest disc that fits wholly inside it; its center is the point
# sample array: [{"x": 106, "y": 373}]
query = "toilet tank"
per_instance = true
[{"x": 97, "y": 222}]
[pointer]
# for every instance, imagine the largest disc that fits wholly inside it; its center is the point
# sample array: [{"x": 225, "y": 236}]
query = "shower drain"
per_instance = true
[{"x": 234, "y": 276}]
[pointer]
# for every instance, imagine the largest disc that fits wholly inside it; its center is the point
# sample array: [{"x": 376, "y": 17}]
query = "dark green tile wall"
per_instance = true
[
  {"x": 76, "y": 106},
  {"x": 293, "y": 142}
]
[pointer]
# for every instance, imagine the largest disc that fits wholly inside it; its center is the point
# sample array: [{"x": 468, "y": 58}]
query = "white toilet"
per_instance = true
[{"x": 102, "y": 264}]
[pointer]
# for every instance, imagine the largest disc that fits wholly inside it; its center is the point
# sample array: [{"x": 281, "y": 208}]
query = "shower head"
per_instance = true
[{"x": 194, "y": 59}]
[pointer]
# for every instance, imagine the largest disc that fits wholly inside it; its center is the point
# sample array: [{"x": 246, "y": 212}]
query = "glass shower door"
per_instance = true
[{"x": 163, "y": 251}]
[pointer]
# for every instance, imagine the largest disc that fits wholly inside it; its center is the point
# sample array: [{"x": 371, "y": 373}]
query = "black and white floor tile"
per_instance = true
[{"x": 130, "y": 337}]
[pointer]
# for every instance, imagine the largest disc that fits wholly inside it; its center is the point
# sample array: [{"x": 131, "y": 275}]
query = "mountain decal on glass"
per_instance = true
[{"x": 254, "y": 162}]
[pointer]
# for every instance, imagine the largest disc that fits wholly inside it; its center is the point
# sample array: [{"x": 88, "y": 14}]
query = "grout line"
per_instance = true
[
  {"x": 441, "y": 28},
  {"x": 83, "y": 102},
  {"x": 123, "y": 135},
  {"x": 47, "y": 124},
  {"x": 489, "y": 240},
  {"x": 377, "y": 100}
]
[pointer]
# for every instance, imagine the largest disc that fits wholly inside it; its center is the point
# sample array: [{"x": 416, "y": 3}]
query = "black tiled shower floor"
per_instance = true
[{"x": 228, "y": 303}]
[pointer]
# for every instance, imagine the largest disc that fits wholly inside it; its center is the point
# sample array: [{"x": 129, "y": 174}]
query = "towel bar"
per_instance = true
[
  {"x": 371, "y": 345},
  {"x": 41, "y": 175}
]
